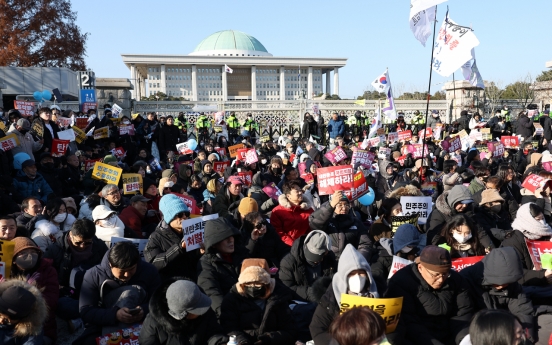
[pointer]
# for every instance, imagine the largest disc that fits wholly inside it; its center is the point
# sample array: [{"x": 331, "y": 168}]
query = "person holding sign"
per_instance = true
[
  {"x": 27, "y": 142},
  {"x": 353, "y": 277},
  {"x": 44, "y": 130},
  {"x": 437, "y": 304}
]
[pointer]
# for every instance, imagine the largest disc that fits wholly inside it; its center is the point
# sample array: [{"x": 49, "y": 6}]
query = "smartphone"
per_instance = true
[{"x": 134, "y": 311}]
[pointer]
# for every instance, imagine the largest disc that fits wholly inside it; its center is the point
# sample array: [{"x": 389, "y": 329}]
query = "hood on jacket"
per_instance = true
[
  {"x": 32, "y": 324},
  {"x": 327, "y": 239},
  {"x": 217, "y": 230},
  {"x": 257, "y": 179},
  {"x": 408, "y": 190},
  {"x": 502, "y": 266},
  {"x": 535, "y": 159},
  {"x": 46, "y": 227},
  {"x": 351, "y": 260},
  {"x": 313, "y": 153},
  {"x": 383, "y": 169},
  {"x": 442, "y": 205},
  {"x": 406, "y": 235},
  {"x": 457, "y": 194},
  {"x": 387, "y": 244},
  {"x": 284, "y": 202}
]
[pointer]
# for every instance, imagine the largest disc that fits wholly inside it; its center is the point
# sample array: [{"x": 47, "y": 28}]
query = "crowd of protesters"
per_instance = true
[{"x": 273, "y": 270}]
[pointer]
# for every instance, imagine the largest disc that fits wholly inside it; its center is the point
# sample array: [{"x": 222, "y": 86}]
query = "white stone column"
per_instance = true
[
  {"x": 163, "y": 80},
  {"x": 143, "y": 82},
  {"x": 224, "y": 85},
  {"x": 328, "y": 82},
  {"x": 309, "y": 83},
  {"x": 282, "y": 83},
  {"x": 134, "y": 81},
  {"x": 336, "y": 81},
  {"x": 253, "y": 83},
  {"x": 194, "y": 83}
]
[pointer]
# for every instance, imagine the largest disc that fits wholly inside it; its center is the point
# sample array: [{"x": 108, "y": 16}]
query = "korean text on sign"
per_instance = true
[
  {"x": 140, "y": 244},
  {"x": 538, "y": 249},
  {"x": 8, "y": 142},
  {"x": 334, "y": 178},
  {"x": 420, "y": 205},
  {"x": 132, "y": 183},
  {"x": 107, "y": 173},
  {"x": 388, "y": 308},
  {"x": 364, "y": 158},
  {"x": 25, "y": 108},
  {"x": 193, "y": 230},
  {"x": 59, "y": 147}
]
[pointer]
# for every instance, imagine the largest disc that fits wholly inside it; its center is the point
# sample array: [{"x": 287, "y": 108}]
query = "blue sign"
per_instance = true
[{"x": 87, "y": 96}]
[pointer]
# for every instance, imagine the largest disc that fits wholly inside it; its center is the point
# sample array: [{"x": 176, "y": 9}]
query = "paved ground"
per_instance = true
[{"x": 64, "y": 337}]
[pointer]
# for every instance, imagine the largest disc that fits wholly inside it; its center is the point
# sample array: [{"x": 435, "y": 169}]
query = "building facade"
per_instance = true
[{"x": 257, "y": 75}]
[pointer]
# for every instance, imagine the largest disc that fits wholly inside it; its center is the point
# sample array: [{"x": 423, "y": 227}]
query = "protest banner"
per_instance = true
[
  {"x": 461, "y": 263},
  {"x": 126, "y": 130},
  {"x": 25, "y": 108},
  {"x": 183, "y": 149},
  {"x": 59, "y": 147},
  {"x": 68, "y": 134},
  {"x": 37, "y": 130},
  {"x": 397, "y": 221},
  {"x": 116, "y": 110},
  {"x": 336, "y": 155},
  {"x": 132, "y": 183},
  {"x": 420, "y": 205},
  {"x": 108, "y": 173},
  {"x": 405, "y": 135},
  {"x": 80, "y": 136},
  {"x": 360, "y": 187},
  {"x": 536, "y": 250},
  {"x": 89, "y": 105},
  {"x": 124, "y": 336},
  {"x": 6, "y": 258},
  {"x": 538, "y": 128},
  {"x": 251, "y": 157},
  {"x": 139, "y": 243},
  {"x": 486, "y": 134},
  {"x": 364, "y": 158},
  {"x": 220, "y": 166},
  {"x": 240, "y": 154},
  {"x": 455, "y": 144},
  {"x": 334, "y": 178},
  {"x": 534, "y": 182},
  {"x": 392, "y": 137},
  {"x": 9, "y": 142},
  {"x": 384, "y": 152},
  {"x": 190, "y": 203},
  {"x": 417, "y": 151},
  {"x": 374, "y": 142},
  {"x": 101, "y": 133},
  {"x": 425, "y": 133},
  {"x": 496, "y": 148},
  {"x": 388, "y": 308},
  {"x": 510, "y": 142},
  {"x": 193, "y": 231},
  {"x": 246, "y": 177},
  {"x": 272, "y": 191},
  {"x": 119, "y": 152},
  {"x": 234, "y": 149},
  {"x": 82, "y": 122},
  {"x": 397, "y": 264},
  {"x": 64, "y": 121}
]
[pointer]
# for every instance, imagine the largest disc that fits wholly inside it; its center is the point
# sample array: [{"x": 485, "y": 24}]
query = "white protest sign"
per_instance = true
[
  {"x": 193, "y": 230},
  {"x": 116, "y": 110},
  {"x": 139, "y": 243},
  {"x": 251, "y": 157},
  {"x": 420, "y": 205},
  {"x": 397, "y": 264},
  {"x": 67, "y": 135}
]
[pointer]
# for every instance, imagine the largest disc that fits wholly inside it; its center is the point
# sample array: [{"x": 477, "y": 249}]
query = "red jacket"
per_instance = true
[
  {"x": 291, "y": 222},
  {"x": 133, "y": 219}
]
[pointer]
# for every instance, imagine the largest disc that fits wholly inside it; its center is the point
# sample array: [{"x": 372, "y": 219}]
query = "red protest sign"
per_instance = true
[
  {"x": 334, "y": 178},
  {"x": 183, "y": 149},
  {"x": 336, "y": 155},
  {"x": 547, "y": 166},
  {"x": 401, "y": 160},
  {"x": 246, "y": 177},
  {"x": 360, "y": 187},
  {"x": 461, "y": 263},
  {"x": 25, "y": 108},
  {"x": 364, "y": 158},
  {"x": 510, "y": 142},
  {"x": 190, "y": 202},
  {"x": 221, "y": 151},
  {"x": 118, "y": 152},
  {"x": 220, "y": 166},
  {"x": 251, "y": 156},
  {"x": 428, "y": 133},
  {"x": 87, "y": 106},
  {"x": 240, "y": 154},
  {"x": 59, "y": 147},
  {"x": 417, "y": 151},
  {"x": 405, "y": 135},
  {"x": 309, "y": 178},
  {"x": 536, "y": 249},
  {"x": 302, "y": 167},
  {"x": 534, "y": 182},
  {"x": 89, "y": 163},
  {"x": 82, "y": 122}
]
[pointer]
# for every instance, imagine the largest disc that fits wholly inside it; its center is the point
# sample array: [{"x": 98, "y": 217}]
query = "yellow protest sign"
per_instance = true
[
  {"x": 264, "y": 138},
  {"x": 218, "y": 129},
  {"x": 134, "y": 116},
  {"x": 8, "y": 142},
  {"x": 388, "y": 308},
  {"x": 6, "y": 258},
  {"x": 101, "y": 133},
  {"x": 2, "y": 126},
  {"x": 107, "y": 173},
  {"x": 80, "y": 136},
  {"x": 234, "y": 149},
  {"x": 132, "y": 183}
]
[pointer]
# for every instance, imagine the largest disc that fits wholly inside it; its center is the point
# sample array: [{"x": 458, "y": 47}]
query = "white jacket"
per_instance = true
[{"x": 46, "y": 233}]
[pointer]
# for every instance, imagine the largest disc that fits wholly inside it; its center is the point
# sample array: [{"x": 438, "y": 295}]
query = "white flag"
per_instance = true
[
  {"x": 421, "y": 24},
  {"x": 376, "y": 123},
  {"x": 381, "y": 84},
  {"x": 420, "y": 5},
  {"x": 471, "y": 72},
  {"x": 228, "y": 69}
]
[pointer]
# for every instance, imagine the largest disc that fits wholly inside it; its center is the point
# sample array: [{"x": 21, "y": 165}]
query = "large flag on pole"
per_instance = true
[
  {"x": 471, "y": 72},
  {"x": 421, "y": 24},
  {"x": 382, "y": 84},
  {"x": 417, "y": 6},
  {"x": 228, "y": 69},
  {"x": 376, "y": 123}
]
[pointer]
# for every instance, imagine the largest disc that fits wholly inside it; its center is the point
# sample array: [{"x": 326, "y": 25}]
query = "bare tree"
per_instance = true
[{"x": 493, "y": 93}]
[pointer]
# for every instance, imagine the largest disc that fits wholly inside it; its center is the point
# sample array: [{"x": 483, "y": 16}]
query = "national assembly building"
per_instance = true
[{"x": 256, "y": 74}]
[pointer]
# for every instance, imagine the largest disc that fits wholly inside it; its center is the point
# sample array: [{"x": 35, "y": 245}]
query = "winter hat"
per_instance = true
[
  {"x": 184, "y": 297},
  {"x": 317, "y": 244},
  {"x": 546, "y": 157},
  {"x": 170, "y": 205},
  {"x": 247, "y": 205},
  {"x": 167, "y": 173},
  {"x": 162, "y": 182},
  {"x": 109, "y": 158},
  {"x": 234, "y": 180},
  {"x": 255, "y": 274},
  {"x": 435, "y": 258},
  {"x": 17, "y": 302},
  {"x": 490, "y": 195},
  {"x": 459, "y": 193},
  {"x": 147, "y": 182},
  {"x": 528, "y": 225},
  {"x": 502, "y": 266},
  {"x": 217, "y": 230},
  {"x": 102, "y": 212},
  {"x": 406, "y": 235},
  {"x": 22, "y": 243},
  {"x": 204, "y": 163},
  {"x": 70, "y": 202},
  {"x": 308, "y": 164},
  {"x": 254, "y": 262},
  {"x": 18, "y": 160},
  {"x": 24, "y": 123}
]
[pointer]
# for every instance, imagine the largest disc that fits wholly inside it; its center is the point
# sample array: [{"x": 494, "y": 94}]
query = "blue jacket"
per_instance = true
[
  {"x": 336, "y": 128},
  {"x": 91, "y": 312},
  {"x": 26, "y": 187}
]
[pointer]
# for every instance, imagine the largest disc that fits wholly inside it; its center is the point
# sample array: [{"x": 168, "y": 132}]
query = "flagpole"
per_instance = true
[{"x": 429, "y": 86}]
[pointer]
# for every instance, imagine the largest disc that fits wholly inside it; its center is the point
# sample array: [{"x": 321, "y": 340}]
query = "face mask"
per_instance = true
[
  {"x": 461, "y": 239},
  {"x": 201, "y": 143},
  {"x": 263, "y": 161},
  {"x": 49, "y": 166},
  {"x": 399, "y": 214},
  {"x": 126, "y": 122},
  {"x": 277, "y": 171},
  {"x": 254, "y": 291},
  {"x": 60, "y": 217},
  {"x": 496, "y": 208},
  {"x": 109, "y": 222},
  {"x": 148, "y": 170},
  {"x": 26, "y": 262},
  {"x": 356, "y": 283}
]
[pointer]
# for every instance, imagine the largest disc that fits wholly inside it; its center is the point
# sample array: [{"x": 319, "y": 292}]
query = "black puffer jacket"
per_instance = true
[
  {"x": 225, "y": 203},
  {"x": 464, "y": 123},
  {"x": 524, "y": 126},
  {"x": 269, "y": 247},
  {"x": 343, "y": 229},
  {"x": 294, "y": 272},
  {"x": 217, "y": 276},
  {"x": 531, "y": 277},
  {"x": 430, "y": 316},
  {"x": 165, "y": 252},
  {"x": 161, "y": 328},
  {"x": 242, "y": 317},
  {"x": 169, "y": 136},
  {"x": 381, "y": 268}
]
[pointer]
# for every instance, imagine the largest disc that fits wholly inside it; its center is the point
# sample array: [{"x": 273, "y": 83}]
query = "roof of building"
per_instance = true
[{"x": 228, "y": 41}]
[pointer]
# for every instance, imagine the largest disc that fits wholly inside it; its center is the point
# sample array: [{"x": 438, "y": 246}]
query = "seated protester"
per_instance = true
[
  {"x": 494, "y": 283},
  {"x": 77, "y": 251},
  {"x": 308, "y": 268},
  {"x": 404, "y": 244},
  {"x": 227, "y": 200},
  {"x": 109, "y": 225},
  {"x": 481, "y": 174},
  {"x": 529, "y": 224},
  {"x": 256, "y": 310},
  {"x": 47, "y": 228},
  {"x": 275, "y": 170},
  {"x": 9, "y": 229},
  {"x": 452, "y": 174},
  {"x": 381, "y": 228},
  {"x": 291, "y": 217},
  {"x": 196, "y": 188},
  {"x": 492, "y": 216},
  {"x": 541, "y": 196},
  {"x": 29, "y": 265},
  {"x": 184, "y": 173},
  {"x": 110, "y": 196},
  {"x": 28, "y": 182},
  {"x": 359, "y": 325},
  {"x": 220, "y": 265},
  {"x": 201, "y": 156},
  {"x": 386, "y": 179},
  {"x": 23, "y": 311},
  {"x": 261, "y": 240},
  {"x": 50, "y": 173},
  {"x": 535, "y": 165},
  {"x": 246, "y": 206},
  {"x": 493, "y": 182},
  {"x": 151, "y": 192},
  {"x": 31, "y": 207},
  {"x": 353, "y": 277},
  {"x": 72, "y": 213},
  {"x": 461, "y": 235},
  {"x": 181, "y": 314},
  {"x": 209, "y": 194},
  {"x": 112, "y": 290},
  {"x": 437, "y": 304},
  {"x": 338, "y": 220},
  {"x": 207, "y": 173},
  {"x": 166, "y": 248},
  {"x": 133, "y": 215},
  {"x": 266, "y": 203},
  {"x": 495, "y": 327},
  {"x": 509, "y": 190},
  {"x": 291, "y": 174}
]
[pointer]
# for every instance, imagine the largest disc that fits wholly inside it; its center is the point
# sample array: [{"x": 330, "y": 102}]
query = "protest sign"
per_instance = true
[
  {"x": 240, "y": 154},
  {"x": 384, "y": 152},
  {"x": 510, "y": 142},
  {"x": 59, "y": 147},
  {"x": 405, "y": 135},
  {"x": 336, "y": 155},
  {"x": 417, "y": 152},
  {"x": 89, "y": 163},
  {"x": 64, "y": 121},
  {"x": 9, "y": 142},
  {"x": 82, "y": 122},
  {"x": 438, "y": 130},
  {"x": 88, "y": 105},
  {"x": 309, "y": 178},
  {"x": 116, "y": 110},
  {"x": 401, "y": 160},
  {"x": 251, "y": 157},
  {"x": 183, "y": 149},
  {"x": 37, "y": 130},
  {"x": 25, "y": 108},
  {"x": 364, "y": 158},
  {"x": 68, "y": 134},
  {"x": 132, "y": 183},
  {"x": 220, "y": 166},
  {"x": 392, "y": 137},
  {"x": 534, "y": 182},
  {"x": 455, "y": 144},
  {"x": 536, "y": 250},
  {"x": 139, "y": 243},
  {"x": 334, "y": 178},
  {"x": 6, "y": 258},
  {"x": 246, "y": 177},
  {"x": 119, "y": 152},
  {"x": 189, "y": 201},
  {"x": 302, "y": 167},
  {"x": 547, "y": 166},
  {"x": 374, "y": 141},
  {"x": 388, "y": 308},
  {"x": 221, "y": 151},
  {"x": 360, "y": 187},
  {"x": 80, "y": 136},
  {"x": 101, "y": 133},
  {"x": 420, "y": 205},
  {"x": 126, "y": 130},
  {"x": 264, "y": 138},
  {"x": 193, "y": 231},
  {"x": 496, "y": 148},
  {"x": 108, "y": 173},
  {"x": 397, "y": 221},
  {"x": 234, "y": 149},
  {"x": 538, "y": 128},
  {"x": 272, "y": 191},
  {"x": 486, "y": 134},
  {"x": 397, "y": 264},
  {"x": 461, "y": 263},
  {"x": 425, "y": 133},
  {"x": 124, "y": 336}
]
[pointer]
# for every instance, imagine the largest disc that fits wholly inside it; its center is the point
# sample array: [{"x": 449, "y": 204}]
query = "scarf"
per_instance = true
[
  {"x": 77, "y": 257},
  {"x": 529, "y": 226}
]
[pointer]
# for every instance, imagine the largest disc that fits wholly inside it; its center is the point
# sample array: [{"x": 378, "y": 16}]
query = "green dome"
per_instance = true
[{"x": 230, "y": 42}]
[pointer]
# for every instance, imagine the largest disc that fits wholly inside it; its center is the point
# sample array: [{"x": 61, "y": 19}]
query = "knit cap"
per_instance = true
[
  {"x": 459, "y": 193},
  {"x": 184, "y": 297},
  {"x": 317, "y": 244},
  {"x": 109, "y": 158},
  {"x": 19, "y": 158},
  {"x": 247, "y": 205},
  {"x": 17, "y": 302},
  {"x": 22, "y": 243},
  {"x": 170, "y": 205}
]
